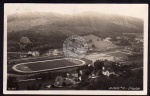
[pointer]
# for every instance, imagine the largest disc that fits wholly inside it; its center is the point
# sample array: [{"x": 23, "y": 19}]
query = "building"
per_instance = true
[
  {"x": 139, "y": 38},
  {"x": 55, "y": 52},
  {"x": 23, "y": 55},
  {"x": 35, "y": 53},
  {"x": 51, "y": 52},
  {"x": 119, "y": 73},
  {"x": 107, "y": 39},
  {"x": 48, "y": 53},
  {"x": 29, "y": 52},
  {"x": 122, "y": 37},
  {"x": 128, "y": 47},
  {"x": 118, "y": 37},
  {"x": 107, "y": 72}
]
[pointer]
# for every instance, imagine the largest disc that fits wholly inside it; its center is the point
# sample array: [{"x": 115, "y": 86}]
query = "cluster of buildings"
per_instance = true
[
  {"x": 34, "y": 53},
  {"x": 138, "y": 48},
  {"x": 107, "y": 71},
  {"x": 72, "y": 78},
  {"x": 51, "y": 52},
  {"x": 122, "y": 37},
  {"x": 54, "y": 52},
  {"x": 85, "y": 74},
  {"x": 138, "y": 38}
]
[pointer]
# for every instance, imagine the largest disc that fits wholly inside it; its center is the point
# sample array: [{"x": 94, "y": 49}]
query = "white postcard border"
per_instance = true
[{"x": 78, "y": 92}]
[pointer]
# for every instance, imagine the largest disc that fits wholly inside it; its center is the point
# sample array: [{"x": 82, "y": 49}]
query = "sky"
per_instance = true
[{"x": 134, "y": 10}]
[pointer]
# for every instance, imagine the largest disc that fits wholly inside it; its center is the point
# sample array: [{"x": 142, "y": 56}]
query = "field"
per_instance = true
[
  {"x": 98, "y": 42},
  {"x": 118, "y": 54},
  {"x": 95, "y": 56},
  {"x": 45, "y": 65},
  {"x": 115, "y": 55},
  {"x": 112, "y": 55}
]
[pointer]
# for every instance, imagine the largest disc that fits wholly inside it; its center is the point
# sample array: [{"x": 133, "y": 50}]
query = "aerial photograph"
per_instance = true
[{"x": 74, "y": 47}]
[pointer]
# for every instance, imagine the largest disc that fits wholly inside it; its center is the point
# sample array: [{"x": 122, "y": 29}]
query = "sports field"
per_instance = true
[
  {"x": 115, "y": 55},
  {"x": 45, "y": 65}
]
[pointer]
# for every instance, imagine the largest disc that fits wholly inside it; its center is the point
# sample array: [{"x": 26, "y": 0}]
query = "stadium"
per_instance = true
[{"x": 49, "y": 65}]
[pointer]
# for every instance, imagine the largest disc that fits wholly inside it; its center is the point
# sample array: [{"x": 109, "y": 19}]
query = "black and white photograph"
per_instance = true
[{"x": 80, "y": 49}]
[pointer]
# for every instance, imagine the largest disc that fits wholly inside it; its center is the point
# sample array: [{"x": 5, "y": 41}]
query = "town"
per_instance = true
[
  {"x": 109, "y": 62},
  {"x": 75, "y": 49}
]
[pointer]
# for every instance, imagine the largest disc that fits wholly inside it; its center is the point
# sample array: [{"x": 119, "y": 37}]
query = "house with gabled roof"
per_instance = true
[{"x": 107, "y": 71}]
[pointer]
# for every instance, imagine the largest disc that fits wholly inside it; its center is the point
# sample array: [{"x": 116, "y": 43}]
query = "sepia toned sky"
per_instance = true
[{"x": 134, "y": 10}]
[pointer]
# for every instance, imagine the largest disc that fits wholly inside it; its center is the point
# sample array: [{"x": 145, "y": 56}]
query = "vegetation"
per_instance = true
[
  {"x": 49, "y": 30},
  {"x": 12, "y": 84},
  {"x": 53, "y": 29},
  {"x": 121, "y": 82},
  {"x": 128, "y": 80}
]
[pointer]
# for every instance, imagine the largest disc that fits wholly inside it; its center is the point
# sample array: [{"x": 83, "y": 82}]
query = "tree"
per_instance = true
[
  {"x": 34, "y": 87},
  {"x": 25, "y": 40},
  {"x": 86, "y": 71},
  {"x": 90, "y": 40},
  {"x": 11, "y": 82},
  {"x": 139, "y": 74},
  {"x": 93, "y": 46},
  {"x": 127, "y": 73},
  {"x": 98, "y": 65},
  {"x": 90, "y": 68},
  {"x": 44, "y": 76}
]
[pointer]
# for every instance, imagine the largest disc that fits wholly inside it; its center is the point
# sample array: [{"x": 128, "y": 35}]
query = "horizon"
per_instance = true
[
  {"x": 71, "y": 9},
  {"x": 77, "y": 14}
]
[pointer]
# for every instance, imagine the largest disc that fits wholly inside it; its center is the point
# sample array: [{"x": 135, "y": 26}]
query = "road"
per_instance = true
[{"x": 136, "y": 68}]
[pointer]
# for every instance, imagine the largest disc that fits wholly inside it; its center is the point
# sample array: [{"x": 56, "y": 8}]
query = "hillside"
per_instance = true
[
  {"x": 87, "y": 22},
  {"x": 98, "y": 42},
  {"x": 53, "y": 28}
]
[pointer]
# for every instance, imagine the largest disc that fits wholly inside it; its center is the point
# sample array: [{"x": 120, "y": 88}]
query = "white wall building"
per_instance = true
[{"x": 107, "y": 72}]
